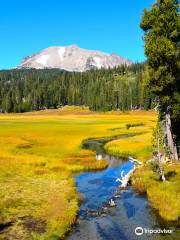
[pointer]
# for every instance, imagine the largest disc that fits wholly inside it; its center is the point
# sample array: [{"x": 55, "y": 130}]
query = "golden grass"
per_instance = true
[
  {"x": 163, "y": 196},
  {"x": 38, "y": 155},
  {"x": 138, "y": 146}
]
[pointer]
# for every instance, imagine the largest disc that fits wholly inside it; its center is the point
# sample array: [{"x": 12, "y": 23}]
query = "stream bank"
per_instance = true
[{"x": 97, "y": 218}]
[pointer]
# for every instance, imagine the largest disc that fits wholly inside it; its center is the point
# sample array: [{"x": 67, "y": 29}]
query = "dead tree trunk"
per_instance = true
[
  {"x": 160, "y": 158},
  {"x": 161, "y": 169},
  {"x": 170, "y": 141}
]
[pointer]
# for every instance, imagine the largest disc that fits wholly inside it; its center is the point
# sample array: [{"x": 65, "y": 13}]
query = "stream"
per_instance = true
[{"x": 97, "y": 220}]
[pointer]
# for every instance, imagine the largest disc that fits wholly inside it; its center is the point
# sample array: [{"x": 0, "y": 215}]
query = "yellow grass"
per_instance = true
[
  {"x": 39, "y": 153},
  {"x": 163, "y": 196},
  {"x": 138, "y": 146}
]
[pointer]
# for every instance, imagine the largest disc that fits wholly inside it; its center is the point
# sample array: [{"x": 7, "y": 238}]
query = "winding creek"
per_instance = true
[{"x": 97, "y": 220}]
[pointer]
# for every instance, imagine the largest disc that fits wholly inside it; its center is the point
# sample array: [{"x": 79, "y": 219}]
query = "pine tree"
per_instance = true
[{"x": 161, "y": 25}]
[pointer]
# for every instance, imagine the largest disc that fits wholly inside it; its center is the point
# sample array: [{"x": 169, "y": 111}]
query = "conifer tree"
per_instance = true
[{"x": 161, "y": 25}]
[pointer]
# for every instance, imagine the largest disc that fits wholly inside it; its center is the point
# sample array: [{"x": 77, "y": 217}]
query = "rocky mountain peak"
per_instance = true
[{"x": 72, "y": 58}]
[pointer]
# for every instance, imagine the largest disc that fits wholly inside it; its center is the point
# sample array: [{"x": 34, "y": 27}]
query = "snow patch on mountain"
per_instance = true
[
  {"x": 61, "y": 52},
  {"x": 42, "y": 59},
  {"x": 98, "y": 62}
]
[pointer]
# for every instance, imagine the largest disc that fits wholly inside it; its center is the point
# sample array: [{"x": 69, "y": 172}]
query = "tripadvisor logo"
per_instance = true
[{"x": 139, "y": 231}]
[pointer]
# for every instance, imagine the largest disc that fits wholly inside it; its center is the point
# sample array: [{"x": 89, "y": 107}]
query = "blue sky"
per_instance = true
[{"x": 28, "y": 26}]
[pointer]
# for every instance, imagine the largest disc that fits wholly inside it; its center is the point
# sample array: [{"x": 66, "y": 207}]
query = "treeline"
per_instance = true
[{"x": 123, "y": 88}]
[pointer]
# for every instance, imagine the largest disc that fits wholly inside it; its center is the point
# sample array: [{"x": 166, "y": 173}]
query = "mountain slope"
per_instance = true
[{"x": 72, "y": 58}]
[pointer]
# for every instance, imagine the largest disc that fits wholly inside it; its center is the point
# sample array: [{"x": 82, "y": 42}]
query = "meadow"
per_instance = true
[
  {"x": 40, "y": 152},
  {"x": 164, "y": 197}
]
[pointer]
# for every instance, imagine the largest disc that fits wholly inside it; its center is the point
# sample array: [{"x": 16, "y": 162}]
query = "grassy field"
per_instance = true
[
  {"x": 138, "y": 146},
  {"x": 163, "y": 196},
  {"x": 39, "y": 153}
]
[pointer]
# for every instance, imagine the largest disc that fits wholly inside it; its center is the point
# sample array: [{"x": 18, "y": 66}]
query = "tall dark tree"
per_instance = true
[{"x": 161, "y": 25}]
